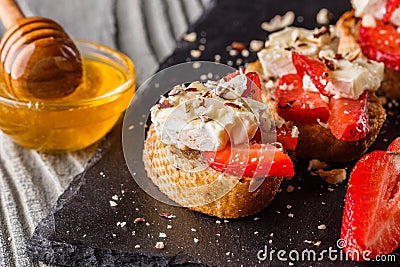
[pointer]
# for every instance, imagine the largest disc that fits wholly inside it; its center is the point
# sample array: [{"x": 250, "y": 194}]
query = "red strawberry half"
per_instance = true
[
  {"x": 295, "y": 104},
  {"x": 349, "y": 119},
  {"x": 371, "y": 219}
]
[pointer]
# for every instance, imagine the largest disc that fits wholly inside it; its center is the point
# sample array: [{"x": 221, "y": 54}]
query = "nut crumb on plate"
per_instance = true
[
  {"x": 315, "y": 164},
  {"x": 190, "y": 37},
  {"x": 159, "y": 245},
  {"x": 195, "y": 53},
  {"x": 279, "y": 22},
  {"x": 256, "y": 45},
  {"x": 167, "y": 215},
  {"x": 290, "y": 189},
  {"x": 139, "y": 220},
  {"x": 335, "y": 176},
  {"x": 324, "y": 16}
]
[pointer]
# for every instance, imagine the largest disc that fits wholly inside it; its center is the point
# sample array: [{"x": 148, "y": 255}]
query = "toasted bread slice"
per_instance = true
[
  {"x": 204, "y": 190},
  {"x": 317, "y": 142},
  {"x": 347, "y": 27}
]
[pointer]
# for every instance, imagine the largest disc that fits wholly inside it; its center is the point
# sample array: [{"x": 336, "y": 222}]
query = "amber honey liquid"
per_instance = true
[{"x": 75, "y": 121}]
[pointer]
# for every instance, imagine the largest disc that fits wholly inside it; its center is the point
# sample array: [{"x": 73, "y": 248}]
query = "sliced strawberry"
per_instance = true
[
  {"x": 381, "y": 43},
  {"x": 394, "y": 146},
  {"x": 391, "y": 6},
  {"x": 371, "y": 218},
  {"x": 349, "y": 120},
  {"x": 284, "y": 135},
  {"x": 233, "y": 74},
  {"x": 253, "y": 84},
  {"x": 255, "y": 160},
  {"x": 295, "y": 104},
  {"x": 313, "y": 67}
]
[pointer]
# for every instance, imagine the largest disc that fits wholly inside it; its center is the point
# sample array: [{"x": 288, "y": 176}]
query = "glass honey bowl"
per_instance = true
[{"x": 80, "y": 119}]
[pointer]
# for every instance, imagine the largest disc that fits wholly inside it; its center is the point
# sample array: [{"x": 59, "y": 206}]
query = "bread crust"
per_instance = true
[
  {"x": 176, "y": 183},
  {"x": 317, "y": 142},
  {"x": 348, "y": 26}
]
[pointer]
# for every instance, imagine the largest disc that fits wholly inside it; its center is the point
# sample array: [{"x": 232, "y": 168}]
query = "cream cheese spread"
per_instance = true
[{"x": 207, "y": 116}]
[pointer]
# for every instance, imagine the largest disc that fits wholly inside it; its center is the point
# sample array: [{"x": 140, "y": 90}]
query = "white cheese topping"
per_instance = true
[
  {"x": 375, "y": 8},
  {"x": 349, "y": 79},
  {"x": 205, "y": 117},
  {"x": 349, "y": 76},
  {"x": 368, "y": 21},
  {"x": 276, "y": 57}
]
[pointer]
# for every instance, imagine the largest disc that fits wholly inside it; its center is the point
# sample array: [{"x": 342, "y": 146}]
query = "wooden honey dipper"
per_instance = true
[{"x": 37, "y": 58}]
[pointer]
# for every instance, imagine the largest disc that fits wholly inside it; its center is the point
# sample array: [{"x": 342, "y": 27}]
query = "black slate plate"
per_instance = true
[{"x": 83, "y": 229}]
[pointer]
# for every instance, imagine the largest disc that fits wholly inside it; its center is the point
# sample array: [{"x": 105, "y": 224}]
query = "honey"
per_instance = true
[{"x": 78, "y": 120}]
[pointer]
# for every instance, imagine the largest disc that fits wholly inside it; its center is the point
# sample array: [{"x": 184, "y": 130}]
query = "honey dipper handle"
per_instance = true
[{"x": 10, "y": 13}]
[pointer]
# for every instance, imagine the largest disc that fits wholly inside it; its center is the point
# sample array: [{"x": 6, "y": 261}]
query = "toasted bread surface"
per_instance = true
[
  {"x": 204, "y": 190},
  {"x": 347, "y": 26}
]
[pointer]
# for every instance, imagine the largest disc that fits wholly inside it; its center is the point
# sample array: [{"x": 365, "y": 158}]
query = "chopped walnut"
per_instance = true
[
  {"x": 238, "y": 46},
  {"x": 279, "y": 22},
  {"x": 167, "y": 215},
  {"x": 335, "y": 176},
  {"x": 315, "y": 164},
  {"x": 256, "y": 45},
  {"x": 324, "y": 16},
  {"x": 159, "y": 245},
  {"x": 190, "y": 37},
  {"x": 165, "y": 104},
  {"x": 139, "y": 220}
]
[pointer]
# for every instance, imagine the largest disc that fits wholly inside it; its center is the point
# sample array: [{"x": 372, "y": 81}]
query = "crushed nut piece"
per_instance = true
[
  {"x": 290, "y": 189},
  {"x": 190, "y": 37},
  {"x": 317, "y": 243},
  {"x": 256, "y": 45},
  {"x": 113, "y": 203},
  {"x": 324, "y": 16},
  {"x": 245, "y": 53},
  {"x": 315, "y": 164},
  {"x": 195, "y": 53},
  {"x": 167, "y": 215},
  {"x": 279, "y": 22},
  {"x": 335, "y": 176},
  {"x": 139, "y": 220},
  {"x": 238, "y": 46},
  {"x": 322, "y": 227},
  {"x": 159, "y": 245}
]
